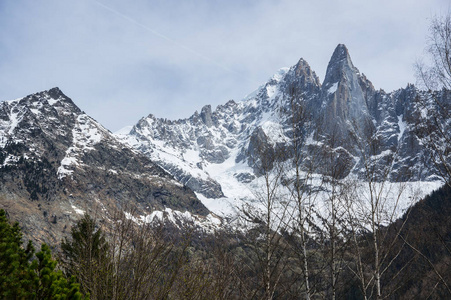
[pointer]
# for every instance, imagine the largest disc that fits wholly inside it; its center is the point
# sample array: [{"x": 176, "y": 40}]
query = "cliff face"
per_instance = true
[{"x": 344, "y": 108}]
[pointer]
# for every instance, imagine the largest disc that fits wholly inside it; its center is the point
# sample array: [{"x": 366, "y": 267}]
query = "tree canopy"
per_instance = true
[{"x": 25, "y": 274}]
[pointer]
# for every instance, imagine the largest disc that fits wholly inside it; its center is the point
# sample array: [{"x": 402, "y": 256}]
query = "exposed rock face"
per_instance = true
[
  {"x": 197, "y": 135},
  {"x": 302, "y": 79},
  {"x": 343, "y": 100},
  {"x": 205, "y": 115},
  {"x": 57, "y": 163},
  {"x": 345, "y": 117}
]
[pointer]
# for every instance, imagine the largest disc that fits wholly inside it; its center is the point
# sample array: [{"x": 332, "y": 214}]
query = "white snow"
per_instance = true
[
  {"x": 271, "y": 90},
  {"x": 424, "y": 112},
  {"x": 191, "y": 156},
  {"x": 402, "y": 125},
  {"x": 181, "y": 151},
  {"x": 63, "y": 170},
  {"x": 333, "y": 88},
  {"x": 11, "y": 159},
  {"x": 280, "y": 74},
  {"x": 35, "y": 111},
  {"x": 221, "y": 206},
  {"x": 123, "y": 131},
  {"x": 15, "y": 118},
  {"x": 208, "y": 223},
  {"x": 77, "y": 210},
  {"x": 85, "y": 134},
  {"x": 52, "y": 101},
  {"x": 274, "y": 131},
  {"x": 237, "y": 194}
]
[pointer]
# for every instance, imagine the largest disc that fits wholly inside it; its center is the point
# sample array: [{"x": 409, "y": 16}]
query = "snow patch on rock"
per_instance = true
[{"x": 85, "y": 134}]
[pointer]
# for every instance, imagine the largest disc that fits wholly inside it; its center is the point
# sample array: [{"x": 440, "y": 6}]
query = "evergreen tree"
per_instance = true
[
  {"x": 85, "y": 255},
  {"x": 51, "y": 284},
  {"x": 24, "y": 278},
  {"x": 15, "y": 276}
]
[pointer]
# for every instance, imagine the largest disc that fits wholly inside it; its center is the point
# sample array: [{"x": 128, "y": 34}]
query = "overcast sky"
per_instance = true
[{"x": 120, "y": 60}]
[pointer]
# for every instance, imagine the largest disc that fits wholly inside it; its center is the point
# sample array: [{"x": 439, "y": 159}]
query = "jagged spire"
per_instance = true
[
  {"x": 343, "y": 100},
  {"x": 341, "y": 53},
  {"x": 303, "y": 69},
  {"x": 340, "y": 63}
]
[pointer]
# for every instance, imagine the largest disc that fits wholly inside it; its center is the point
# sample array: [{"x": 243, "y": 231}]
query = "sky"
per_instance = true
[{"x": 120, "y": 60}]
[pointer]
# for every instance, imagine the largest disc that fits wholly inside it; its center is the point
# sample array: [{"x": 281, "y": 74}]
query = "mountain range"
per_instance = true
[
  {"x": 344, "y": 118},
  {"x": 58, "y": 163}
]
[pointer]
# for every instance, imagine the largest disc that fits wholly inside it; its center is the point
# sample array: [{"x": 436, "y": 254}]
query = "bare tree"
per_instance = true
[
  {"x": 433, "y": 112},
  {"x": 319, "y": 165},
  {"x": 302, "y": 191},
  {"x": 133, "y": 259},
  {"x": 436, "y": 74},
  {"x": 337, "y": 163},
  {"x": 374, "y": 204},
  {"x": 266, "y": 219},
  {"x": 145, "y": 259},
  {"x": 433, "y": 107},
  {"x": 226, "y": 271}
]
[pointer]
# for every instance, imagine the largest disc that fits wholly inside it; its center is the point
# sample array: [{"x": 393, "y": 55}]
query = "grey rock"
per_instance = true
[
  {"x": 340, "y": 123},
  {"x": 205, "y": 115}
]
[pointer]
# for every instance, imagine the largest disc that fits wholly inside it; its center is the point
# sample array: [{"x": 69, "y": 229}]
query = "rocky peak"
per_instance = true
[
  {"x": 56, "y": 98},
  {"x": 45, "y": 112},
  {"x": 302, "y": 69},
  {"x": 205, "y": 115},
  {"x": 340, "y": 53},
  {"x": 343, "y": 98},
  {"x": 56, "y": 93},
  {"x": 340, "y": 68},
  {"x": 56, "y": 162},
  {"x": 301, "y": 80}
]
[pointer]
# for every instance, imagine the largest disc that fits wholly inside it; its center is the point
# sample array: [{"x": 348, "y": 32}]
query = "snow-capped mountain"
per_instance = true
[
  {"x": 56, "y": 162},
  {"x": 215, "y": 152}
]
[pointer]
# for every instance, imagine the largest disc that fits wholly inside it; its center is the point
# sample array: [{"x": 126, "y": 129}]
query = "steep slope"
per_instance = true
[
  {"x": 426, "y": 229},
  {"x": 344, "y": 119},
  {"x": 56, "y": 162}
]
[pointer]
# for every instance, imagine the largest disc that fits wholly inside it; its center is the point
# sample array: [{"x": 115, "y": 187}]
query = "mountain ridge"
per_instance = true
[
  {"x": 345, "y": 109},
  {"x": 56, "y": 163},
  {"x": 52, "y": 152}
]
